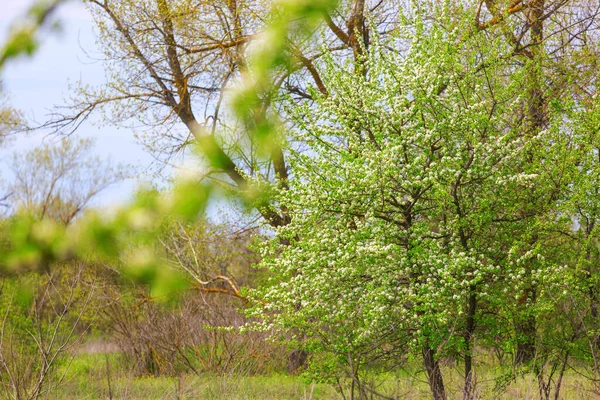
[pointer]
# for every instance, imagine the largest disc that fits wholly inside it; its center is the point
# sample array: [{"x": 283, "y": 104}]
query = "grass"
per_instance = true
[{"x": 87, "y": 379}]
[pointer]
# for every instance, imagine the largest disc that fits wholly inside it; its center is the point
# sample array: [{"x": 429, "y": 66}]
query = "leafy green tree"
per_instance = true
[
  {"x": 555, "y": 42},
  {"x": 412, "y": 206}
]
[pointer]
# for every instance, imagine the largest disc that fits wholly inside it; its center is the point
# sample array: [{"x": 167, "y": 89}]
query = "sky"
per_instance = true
[{"x": 34, "y": 85}]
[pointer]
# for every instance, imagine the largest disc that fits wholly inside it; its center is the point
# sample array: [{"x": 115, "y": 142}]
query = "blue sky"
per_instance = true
[{"x": 34, "y": 85}]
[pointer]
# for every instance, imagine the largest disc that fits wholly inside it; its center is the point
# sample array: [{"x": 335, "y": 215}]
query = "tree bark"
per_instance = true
[
  {"x": 526, "y": 329},
  {"x": 296, "y": 360},
  {"x": 526, "y": 334},
  {"x": 434, "y": 373},
  {"x": 468, "y": 337}
]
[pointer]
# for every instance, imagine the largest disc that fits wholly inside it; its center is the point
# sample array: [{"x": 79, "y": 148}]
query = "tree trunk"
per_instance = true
[
  {"x": 526, "y": 345},
  {"x": 526, "y": 330},
  {"x": 296, "y": 360},
  {"x": 526, "y": 327},
  {"x": 434, "y": 374},
  {"x": 468, "y": 338},
  {"x": 593, "y": 295}
]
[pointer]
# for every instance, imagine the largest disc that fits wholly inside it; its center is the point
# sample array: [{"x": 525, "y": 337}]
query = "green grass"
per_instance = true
[{"x": 87, "y": 379}]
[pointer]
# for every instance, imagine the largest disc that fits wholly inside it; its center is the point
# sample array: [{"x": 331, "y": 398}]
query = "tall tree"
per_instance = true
[
  {"x": 59, "y": 181},
  {"x": 396, "y": 206},
  {"x": 172, "y": 64},
  {"x": 556, "y": 43}
]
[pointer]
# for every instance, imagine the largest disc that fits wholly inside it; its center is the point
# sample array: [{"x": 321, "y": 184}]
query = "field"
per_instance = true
[{"x": 86, "y": 378}]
